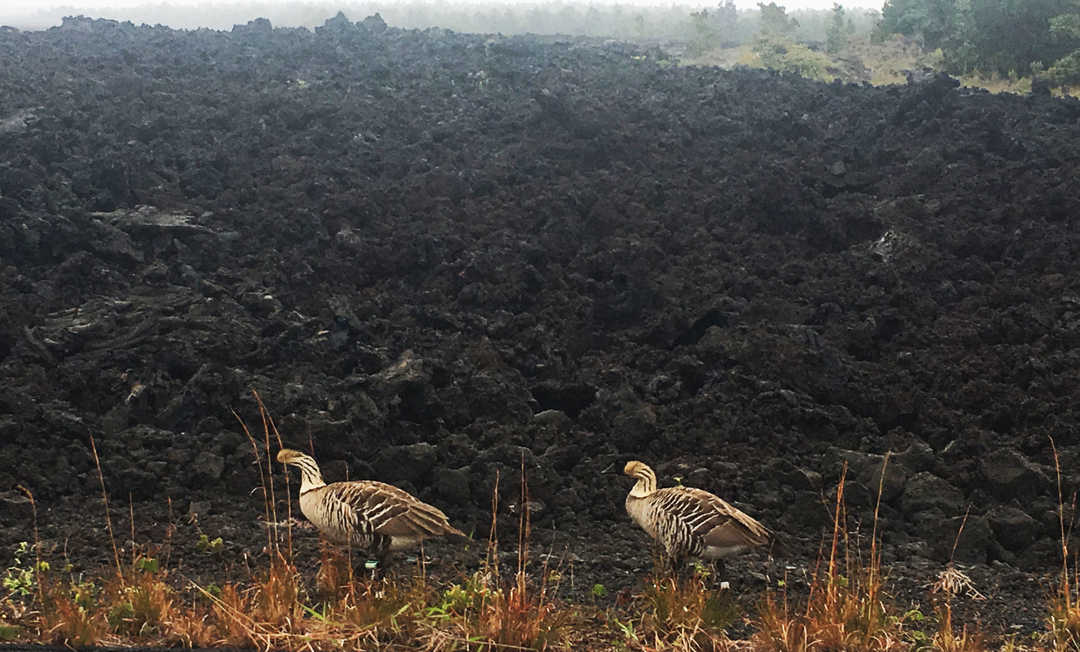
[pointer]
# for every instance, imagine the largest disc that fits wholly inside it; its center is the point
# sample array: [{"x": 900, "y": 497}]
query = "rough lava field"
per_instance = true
[{"x": 435, "y": 255}]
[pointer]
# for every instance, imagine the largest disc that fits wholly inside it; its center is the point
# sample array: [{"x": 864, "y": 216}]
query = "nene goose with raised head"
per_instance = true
[
  {"x": 367, "y": 514},
  {"x": 690, "y": 522}
]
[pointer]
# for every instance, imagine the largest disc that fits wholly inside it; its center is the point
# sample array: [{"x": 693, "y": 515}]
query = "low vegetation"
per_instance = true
[
  {"x": 1000, "y": 45},
  {"x": 995, "y": 50},
  {"x": 141, "y": 601}
]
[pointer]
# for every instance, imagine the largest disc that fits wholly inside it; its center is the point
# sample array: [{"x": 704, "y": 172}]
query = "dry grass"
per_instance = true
[
  {"x": 948, "y": 639},
  {"x": 679, "y": 614},
  {"x": 952, "y": 584},
  {"x": 144, "y": 603},
  {"x": 887, "y": 61},
  {"x": 998, "y": 83},
  {"x": 1015, "y": 84},
  {"x": 1063, "y": 620},
  {"x": 846, "y": 608},
  {"x": 513, "y": 613}
]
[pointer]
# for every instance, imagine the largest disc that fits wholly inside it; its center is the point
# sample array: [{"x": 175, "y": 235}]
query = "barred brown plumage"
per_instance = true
[
  {"x": 690, "y": 522},
  {"x": 375, "y": 516}
]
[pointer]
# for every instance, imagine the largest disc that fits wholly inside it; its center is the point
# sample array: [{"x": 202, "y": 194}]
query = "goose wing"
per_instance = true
[
  {"x": 713, "y": 521},
  {"x": 391, "y": 511}
]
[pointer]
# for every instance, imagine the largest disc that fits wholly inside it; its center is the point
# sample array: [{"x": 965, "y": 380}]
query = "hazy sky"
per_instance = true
[
  {"x": 219, "y": 14},
  {"x": 30, "y": 5}
]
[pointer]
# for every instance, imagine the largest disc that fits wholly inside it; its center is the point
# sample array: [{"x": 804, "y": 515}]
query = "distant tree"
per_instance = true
[
  {"x": 931, "y": 21},
  {"x": 702, "y": 38},
  {"x": 775, "y": 21},
  {"x": 837, "y": 35},
  {"x": 714, "y": 29},
  {"x": 726, "y": 20},
  {"x": 1002, "y": 36},
  {"x": 1006, "y": 36},
  {"x": 776, "y": 48},
  {"x": 1066, "y": 27},
  {"x": 1067, "y": 24}
]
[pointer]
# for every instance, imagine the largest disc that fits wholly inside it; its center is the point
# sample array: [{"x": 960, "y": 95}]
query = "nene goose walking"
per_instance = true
[
  {"x": 690, "y": 522},
  {"x": 377, "y": 517}
]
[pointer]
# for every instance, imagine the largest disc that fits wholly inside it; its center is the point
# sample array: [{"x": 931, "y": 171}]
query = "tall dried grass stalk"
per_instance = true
[{"x": 108, "y": 518}]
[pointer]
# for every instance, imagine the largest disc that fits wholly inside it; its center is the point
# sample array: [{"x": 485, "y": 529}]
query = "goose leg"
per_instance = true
[
  {"x": 714, "y": 573},
  {"x": 679, "y": 569},
  {"x": 384, "y": 561}
]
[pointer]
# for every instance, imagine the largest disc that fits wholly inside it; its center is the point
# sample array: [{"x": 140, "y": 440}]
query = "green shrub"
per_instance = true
[
  {"x": 1065, "y": 71},
  {"x": 786, "y": 56},
  {"x": 21, "y": 577}
]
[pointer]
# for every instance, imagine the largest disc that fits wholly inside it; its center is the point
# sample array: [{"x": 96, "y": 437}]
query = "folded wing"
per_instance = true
[
  {"x": 711, "y": 521},
  {"x": 392, "y": 512}
]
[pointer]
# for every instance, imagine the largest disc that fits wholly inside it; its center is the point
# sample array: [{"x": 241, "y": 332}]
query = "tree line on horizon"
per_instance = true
[
  {"x": 1002, "y": 37},
  {"x": 1005, "y": 37}
]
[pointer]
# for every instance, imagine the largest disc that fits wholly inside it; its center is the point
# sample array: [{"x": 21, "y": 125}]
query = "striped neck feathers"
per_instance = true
[
  {"x": 646, "y": 482},
  {"x": 310, "y": 476}
]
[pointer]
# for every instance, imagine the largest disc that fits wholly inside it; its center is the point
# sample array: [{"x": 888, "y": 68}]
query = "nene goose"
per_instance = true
[
  {"x": 689, "y": 522},
  {"x": 377, "y": 517}
]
